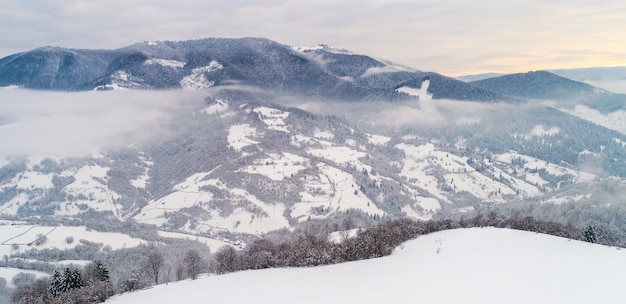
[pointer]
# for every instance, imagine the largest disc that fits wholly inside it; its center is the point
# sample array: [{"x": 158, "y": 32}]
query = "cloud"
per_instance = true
[
  {"x": 385, "y": 117},
  {"x": 60, "y": 124},
  {"x": 386, "y": 69}
]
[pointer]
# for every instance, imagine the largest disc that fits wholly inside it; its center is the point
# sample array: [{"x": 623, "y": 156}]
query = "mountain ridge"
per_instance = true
[
  {"x": 251, "y": 61},
  {"x": 545, "y": 85}
]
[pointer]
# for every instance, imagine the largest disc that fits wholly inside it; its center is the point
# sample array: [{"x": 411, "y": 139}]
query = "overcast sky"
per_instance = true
[{"x": 453, "y": 37}]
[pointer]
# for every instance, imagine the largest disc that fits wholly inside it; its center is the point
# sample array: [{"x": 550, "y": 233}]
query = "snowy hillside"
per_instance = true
[
  {"x": 250, "y": 168},
  {"x": 478, "y": 265}
]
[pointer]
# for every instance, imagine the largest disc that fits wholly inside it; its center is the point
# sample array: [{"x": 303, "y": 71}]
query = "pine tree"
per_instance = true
[
  {"x": 103, "y": 272},
  {"x": 55, "y": 283},
  {"x": 590, "y": 235},
  {"x": 71, "y": 280},
  {"x": 94, "y": 272}
]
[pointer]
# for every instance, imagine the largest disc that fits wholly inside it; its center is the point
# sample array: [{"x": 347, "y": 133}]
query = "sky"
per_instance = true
[{"x": 452, "y": 37}]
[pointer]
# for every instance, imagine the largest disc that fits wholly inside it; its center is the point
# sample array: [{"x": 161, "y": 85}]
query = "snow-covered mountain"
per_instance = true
[
  {"x": 479, "y": 265},
  {"x": 609, "y": 78},
  {"x": 321, "y": 71},
  {"x": 231, "y": 139},
  {"x": 543, "y": 85}
]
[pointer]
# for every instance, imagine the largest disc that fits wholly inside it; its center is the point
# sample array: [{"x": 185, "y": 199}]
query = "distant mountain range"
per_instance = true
[
  {"x": 612, "y": 79},
  {"x": 546, "y": 85},
  {"x": 475, "y": 77},
  {"x": 276, "y": 69},
  {"x": 321, "y": 71}
]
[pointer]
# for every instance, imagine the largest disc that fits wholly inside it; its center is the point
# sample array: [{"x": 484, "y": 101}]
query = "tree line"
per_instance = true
[
  {"x": 93, "y": 284},
  {"x": 311, "y": 250}
]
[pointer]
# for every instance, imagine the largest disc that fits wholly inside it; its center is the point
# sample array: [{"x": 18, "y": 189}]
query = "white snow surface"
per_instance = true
[
  {"x": 273, "y": 118},
  {"x": 421, "y": 93},
  {"x": 333, "y": 190},
  {"x": 24, "y": 236},
  {"x": 89, "y": 188},
  {"x": 213, "y": 244},
  {"x": 88, "y": 183},
  {"x": 121, "y": 80},
  {"x": 278, "y": 166},
  {"x": 319, "y": 47},
  {"x": 238, "y": 136},
  {"x": 8, "y": 273},
  {"x": 323, "y": 134},
  {"x": 142, "y": 180},
  {"x": 165, "y": 62},
  {"x": 17, "y": 237},
  {"x": 338, "y": 154},
  {"x": 197, "y": 79},
  {"x": 378, "y": 140},
  {"x": 423, "y": 162},
  {"x": 534, "y": 163},
  {"x": 265, "y": 218},
  {"x": 478, "y": 265}
]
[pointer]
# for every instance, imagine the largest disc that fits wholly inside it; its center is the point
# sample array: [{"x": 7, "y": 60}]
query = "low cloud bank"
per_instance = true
[{"x": 61, "y": 124}]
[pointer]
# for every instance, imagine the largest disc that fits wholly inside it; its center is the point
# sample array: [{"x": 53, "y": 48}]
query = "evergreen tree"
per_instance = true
[
  {"x": 55, "y": 283},
  {"x": 71, "y": 280},
  {"x": 590, "y": 235},
  {"x": 94, "y": 272}
]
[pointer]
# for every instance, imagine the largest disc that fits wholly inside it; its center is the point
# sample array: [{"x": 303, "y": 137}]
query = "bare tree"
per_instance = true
[
  {"x": 35, "y": 293},
  {"x": 193, "y": 264},
  {"x": 153, "y": 264},
  {"x": 94, "y": 272},
  {"x": 180, "y": 271},
  {"x": 226, "y": 260}
]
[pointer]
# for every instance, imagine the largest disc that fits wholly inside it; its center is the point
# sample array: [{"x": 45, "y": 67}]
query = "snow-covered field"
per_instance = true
[
  {"x": 88, "y": 189},
  {"x": 238, "y": 136},
  {"x": 8, "y": 274},
  {"x": 19, "y": 238},
  {"x": 16, "y": 237},
  {"x": 213, "y": 244},
  {"x": 273, "y": 118},
  {"x": 197, "y": 80},
  {"x": 478, "y": 265}
]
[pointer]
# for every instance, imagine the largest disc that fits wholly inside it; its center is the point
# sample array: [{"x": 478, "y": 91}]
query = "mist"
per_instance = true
[
  {"x": 387, "y": 115},
  {"x": 76, "y": 124}
]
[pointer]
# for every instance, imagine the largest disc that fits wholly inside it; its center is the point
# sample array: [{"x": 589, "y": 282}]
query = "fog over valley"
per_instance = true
[{"x": 64, "y": 124}]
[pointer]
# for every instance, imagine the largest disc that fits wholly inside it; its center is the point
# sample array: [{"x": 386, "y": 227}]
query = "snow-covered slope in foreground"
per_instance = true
[{"x": 480, "y": 265}]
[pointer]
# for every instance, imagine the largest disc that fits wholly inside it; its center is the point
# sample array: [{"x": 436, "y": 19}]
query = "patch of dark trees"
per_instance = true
[
  {"x": 89, "y": 285},
  {"x": 309, "y": 250}
]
